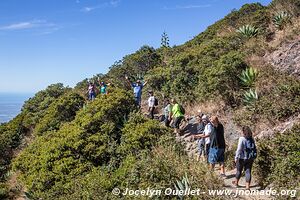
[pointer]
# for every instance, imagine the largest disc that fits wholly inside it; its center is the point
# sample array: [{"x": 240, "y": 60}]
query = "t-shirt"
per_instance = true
[
  {"x": 167, "y": 110},
  {"x": 103, "y": 89},
  {"x": 217, "y": 139},
  {"x": 137, "y": 89},
  {"x": 176, "y": 111},
  {"x": 91, "y": 89},
  {"x": 151, "y": 101},
  {"x": 207, "y": 131},
  {"x": 240, "y": 152}
]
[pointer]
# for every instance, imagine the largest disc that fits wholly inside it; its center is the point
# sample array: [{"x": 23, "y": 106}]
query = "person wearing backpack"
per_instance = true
[
  {"x": 177, "y": 115},
  {"x": 152, "y": 102},
  {"x": 245, "y": 155}
]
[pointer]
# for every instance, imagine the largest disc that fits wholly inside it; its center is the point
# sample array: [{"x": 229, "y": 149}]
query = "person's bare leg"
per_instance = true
[
  {"x": 236, "y": 182},
  {"x": 222, "y": 168},
  {"x": 247, "y": 185},
  {"x": 212, "y": 167}
]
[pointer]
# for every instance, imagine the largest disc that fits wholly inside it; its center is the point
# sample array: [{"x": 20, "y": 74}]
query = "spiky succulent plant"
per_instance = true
[{"x": 248, "y": 31}]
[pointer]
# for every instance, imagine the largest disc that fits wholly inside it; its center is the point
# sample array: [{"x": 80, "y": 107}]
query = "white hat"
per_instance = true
[{"x": 204, "y": 117}]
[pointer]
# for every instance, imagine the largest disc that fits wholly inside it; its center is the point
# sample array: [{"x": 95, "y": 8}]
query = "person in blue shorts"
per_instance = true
[{"x": 217, "y": 145}]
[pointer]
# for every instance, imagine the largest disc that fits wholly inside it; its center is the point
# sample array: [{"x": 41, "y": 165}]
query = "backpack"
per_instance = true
[
  {"x": 250, "y": 149},
  {"x": 182, "y": 110},
  {"x": 155, "y": 102}
]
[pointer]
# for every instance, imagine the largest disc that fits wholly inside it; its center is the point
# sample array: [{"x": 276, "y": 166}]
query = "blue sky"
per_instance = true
[{"x": 50, "y": 41}]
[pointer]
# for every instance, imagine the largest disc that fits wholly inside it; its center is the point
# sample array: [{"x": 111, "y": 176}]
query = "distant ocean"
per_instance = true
[{"x": 11, "y": 104}]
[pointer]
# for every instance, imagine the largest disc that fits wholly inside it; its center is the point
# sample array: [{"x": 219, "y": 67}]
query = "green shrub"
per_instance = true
[
  {"x": 35, "y": 107},
  {"x": 157, "y": 169},
  {"x": 4, "y": 192},
  {"x": 53, "y": 160},
  {"x": 278, "y": 159},
  {"x": 140, "y": 134},
  {"x": 222, "y": 78},
  {"x": 62, "y": 110},
  {"x": 11, "y": 134}
]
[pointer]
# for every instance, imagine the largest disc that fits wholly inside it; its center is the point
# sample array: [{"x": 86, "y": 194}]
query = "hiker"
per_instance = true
[
  {"x": 137, "y": 90},
  {"x": 177, "y": 115},
  {"x": 167, "y": 113},
  {"x": 200, "y": 140},
  {"x": 152, "y": 102},
  {"x": 245, "y": 154},
  {"x": 91, "y": 91},
  {"x": 217, "y": 146},
  {"x": 103, "y": 87},
  {"x": 206, "y": 134}
]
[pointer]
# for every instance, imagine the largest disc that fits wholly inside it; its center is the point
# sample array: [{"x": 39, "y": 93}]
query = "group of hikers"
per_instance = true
[
  {"x": 93, "y": 90},
  {"x": 209, "y": 135}
]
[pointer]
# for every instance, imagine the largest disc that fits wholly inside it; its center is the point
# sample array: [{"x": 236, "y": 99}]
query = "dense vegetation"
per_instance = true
[
  {"x": 83, "y": 150},
  {"x": 279, "y": 160}
]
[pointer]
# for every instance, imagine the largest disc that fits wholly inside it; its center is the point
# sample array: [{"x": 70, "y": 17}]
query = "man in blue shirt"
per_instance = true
[{"x": 137, "y": 90}]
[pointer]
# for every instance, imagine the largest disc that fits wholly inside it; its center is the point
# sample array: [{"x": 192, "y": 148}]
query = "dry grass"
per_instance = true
[{"x": 209, "y": 108}]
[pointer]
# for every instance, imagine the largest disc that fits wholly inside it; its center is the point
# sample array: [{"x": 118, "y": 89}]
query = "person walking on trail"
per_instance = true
[
  {"x": 217, "y": 145},
  {"x": 91, "y": 91},
  {"x": 200, "y": 140},
  {"x": 152, "y": 102},
  {"x": 167, "y": 113},
  {"x": 206, "y": 134},
  {"x": 245, "y": 155},
  {"x": 137, "y": 90},
  {"x": 177, "y": 116}
]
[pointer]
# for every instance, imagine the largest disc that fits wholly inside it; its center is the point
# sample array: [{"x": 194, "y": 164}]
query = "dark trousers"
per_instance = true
[
  {"x": 167, "y": 122},
  {"x": 151, "y": 112},
  {"x": 207, "y": 147},
  {"x": 246, "y": 165}
]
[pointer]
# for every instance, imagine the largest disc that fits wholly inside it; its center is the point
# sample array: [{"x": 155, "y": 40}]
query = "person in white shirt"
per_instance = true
[
  {"x": 206, "y": 134},
  {"x": 151, "y": 104}
]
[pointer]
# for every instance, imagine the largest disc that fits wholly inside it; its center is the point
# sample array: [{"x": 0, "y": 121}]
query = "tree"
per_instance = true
[{"x": 165, "y": 40}]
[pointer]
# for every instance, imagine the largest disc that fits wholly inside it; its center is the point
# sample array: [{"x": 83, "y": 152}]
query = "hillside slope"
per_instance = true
[{"x": 91, "y": 148}]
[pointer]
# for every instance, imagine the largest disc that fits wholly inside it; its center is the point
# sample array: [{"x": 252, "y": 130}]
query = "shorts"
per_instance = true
[
  {"x": 216, "y": 155},
  {"x": 177, "y": 121},
  {"x": 201, "y": 148}
]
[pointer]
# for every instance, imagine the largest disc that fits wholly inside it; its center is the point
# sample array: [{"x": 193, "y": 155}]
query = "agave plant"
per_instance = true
[
  {"x": 281, "y": 19},
  {"x": 182, "y": 185},
  {"x": 248, "y": 31},
  {"x": 250, "y": 97},
  {"x": 248, "y": 76}
]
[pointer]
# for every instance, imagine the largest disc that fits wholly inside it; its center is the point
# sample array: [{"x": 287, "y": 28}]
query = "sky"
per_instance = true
[{"x": 50, "y": 41}]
